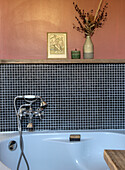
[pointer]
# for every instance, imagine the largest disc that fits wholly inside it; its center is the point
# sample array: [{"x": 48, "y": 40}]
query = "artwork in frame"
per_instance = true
[{"x": 57, "y": 45}]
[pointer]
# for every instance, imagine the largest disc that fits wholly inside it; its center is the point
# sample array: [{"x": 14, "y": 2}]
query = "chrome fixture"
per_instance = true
[
  {"x": 27, "y": 110},
  {"x": 12, "y": 145}
]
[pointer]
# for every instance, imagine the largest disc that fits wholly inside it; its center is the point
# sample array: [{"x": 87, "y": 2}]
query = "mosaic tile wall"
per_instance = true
[{"x": 79, "y": 96}]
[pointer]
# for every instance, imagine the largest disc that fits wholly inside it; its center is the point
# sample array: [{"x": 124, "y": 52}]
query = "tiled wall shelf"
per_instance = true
[{"x": 63, "y": 61}]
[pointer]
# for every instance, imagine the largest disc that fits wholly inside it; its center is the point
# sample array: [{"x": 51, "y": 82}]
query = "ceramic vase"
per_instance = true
[{"x": 88, "y": 48}]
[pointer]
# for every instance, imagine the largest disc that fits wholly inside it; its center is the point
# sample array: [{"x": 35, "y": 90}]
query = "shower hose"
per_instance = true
[
  {"x": 21, "y": 140},
  {"x": 21, "y": 148}
]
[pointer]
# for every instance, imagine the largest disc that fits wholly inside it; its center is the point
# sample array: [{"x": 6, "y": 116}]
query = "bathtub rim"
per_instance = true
[{"x": 9, "y": 135}]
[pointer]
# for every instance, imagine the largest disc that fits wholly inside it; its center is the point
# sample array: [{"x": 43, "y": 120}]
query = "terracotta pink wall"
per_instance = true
[{"x": 24, "y": 25}]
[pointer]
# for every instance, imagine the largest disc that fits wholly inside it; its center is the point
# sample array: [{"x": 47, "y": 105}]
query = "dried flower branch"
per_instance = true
[
  {"x": 98, "y": 9},
  {"x": 88, "y": 22}
]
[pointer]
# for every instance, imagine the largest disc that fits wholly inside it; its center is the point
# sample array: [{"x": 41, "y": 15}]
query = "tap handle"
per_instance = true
[{"x": 41, "y": 115}]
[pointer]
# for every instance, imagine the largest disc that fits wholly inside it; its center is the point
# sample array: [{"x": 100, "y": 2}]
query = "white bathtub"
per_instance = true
[{"x": 54, "y": 151}]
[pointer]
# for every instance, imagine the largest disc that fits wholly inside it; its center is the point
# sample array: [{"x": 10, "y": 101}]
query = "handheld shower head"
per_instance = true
[{"x": 30, "y": 97}]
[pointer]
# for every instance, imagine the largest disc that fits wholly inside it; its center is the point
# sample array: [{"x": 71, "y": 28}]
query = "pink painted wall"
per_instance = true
[{"x": 24, "y": 25}]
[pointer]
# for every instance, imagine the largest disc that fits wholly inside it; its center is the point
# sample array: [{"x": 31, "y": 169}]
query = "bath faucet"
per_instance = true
[{"x": 26, "y": 109}]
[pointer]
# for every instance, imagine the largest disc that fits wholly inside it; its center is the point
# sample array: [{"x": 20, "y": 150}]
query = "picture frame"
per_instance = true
[{"x": 57, "y": 45}]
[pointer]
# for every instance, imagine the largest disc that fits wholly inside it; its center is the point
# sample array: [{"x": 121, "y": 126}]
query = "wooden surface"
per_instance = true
[
  {"x": 65, "y": 61},
  {"x": 115, "y": 159}
]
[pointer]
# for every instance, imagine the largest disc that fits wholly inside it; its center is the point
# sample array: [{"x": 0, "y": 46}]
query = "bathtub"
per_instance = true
[{"x": 54, "y": 151}]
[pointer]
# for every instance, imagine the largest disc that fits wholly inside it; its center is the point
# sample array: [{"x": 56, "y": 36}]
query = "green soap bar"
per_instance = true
[{"x": 75, "y": 54}]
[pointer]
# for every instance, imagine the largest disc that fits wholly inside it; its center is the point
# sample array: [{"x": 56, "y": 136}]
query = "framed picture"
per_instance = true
[{"x": 57, "y": 45}]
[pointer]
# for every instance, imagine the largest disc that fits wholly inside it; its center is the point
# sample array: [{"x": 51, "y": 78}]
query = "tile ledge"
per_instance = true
[{"x": 61, "y": 61}]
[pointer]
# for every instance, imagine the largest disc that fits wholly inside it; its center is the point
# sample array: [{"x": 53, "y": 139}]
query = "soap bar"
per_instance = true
[{"x": 75, "y": 54}]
